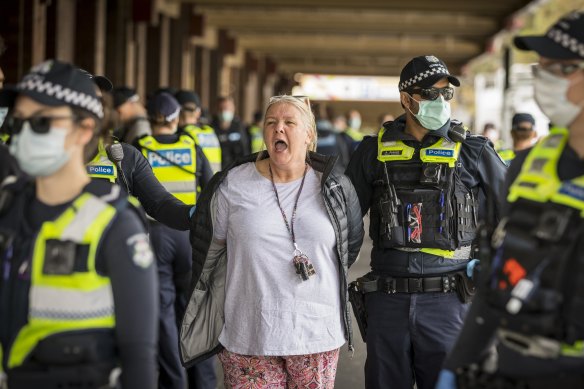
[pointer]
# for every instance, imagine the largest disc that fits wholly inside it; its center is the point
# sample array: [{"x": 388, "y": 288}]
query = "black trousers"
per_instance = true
[{"x": 408, "y": 337}]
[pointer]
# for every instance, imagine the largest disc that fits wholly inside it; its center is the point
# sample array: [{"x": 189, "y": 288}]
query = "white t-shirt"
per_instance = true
[{"x": 269, "y": 310}]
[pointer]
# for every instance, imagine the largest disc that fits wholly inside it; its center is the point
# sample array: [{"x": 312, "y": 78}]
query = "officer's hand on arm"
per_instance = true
[
  {"x": 128, "y": 261},
  {"x": 361, "y": 170},
  {"x": 446, "y": 380}
]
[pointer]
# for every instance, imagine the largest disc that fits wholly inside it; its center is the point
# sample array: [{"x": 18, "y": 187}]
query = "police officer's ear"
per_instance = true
[{"x": 407, "y": 102}]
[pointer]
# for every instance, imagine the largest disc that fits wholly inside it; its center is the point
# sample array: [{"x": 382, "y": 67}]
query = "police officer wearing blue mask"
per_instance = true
[
  {"x": 526, "y": 326},
  {"x": 78, "y": 285},
  {"x": 230, "y": 131},
  {"x": 422, "y": 179}
]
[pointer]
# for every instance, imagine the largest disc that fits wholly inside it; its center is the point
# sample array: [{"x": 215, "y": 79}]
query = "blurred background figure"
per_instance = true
[
  {"x": 132, "y": 118},
  {"x": 330, "y": 141},
  {"x": 491, "y": 132},
  {"x": 523, "y": 135},
  {"x": 353, "y": 126},
  {"x": 190, "y": 122},
  {"x": 230, "y": 131},
  {"x": 255, "y": 132}
]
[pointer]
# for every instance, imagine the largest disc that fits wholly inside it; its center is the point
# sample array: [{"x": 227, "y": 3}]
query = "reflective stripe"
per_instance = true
[
  {"x": 178, "y": 186},
  {"x": 75, "y": 231},
  {"x": 443, "y": 151},
  {"x": 67, "y": 304},
  {"x": 460, "y": 253}
]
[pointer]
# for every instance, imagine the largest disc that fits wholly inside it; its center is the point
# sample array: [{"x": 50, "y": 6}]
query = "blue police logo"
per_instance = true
[
  {"x": 100, "y": 170},
  {"x": 572, "y": 190},
  {"x": 177, "y": 157},
  {"x": 439, "y": 153}
]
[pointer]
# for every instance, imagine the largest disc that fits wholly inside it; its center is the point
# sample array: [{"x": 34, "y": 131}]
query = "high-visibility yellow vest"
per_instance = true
[
  {"x": 356, "y": 135},
  {"x": 101, "y": 166},
  {"x": 81, "y": 300},
  {"x": 257, "y": 138},
  {"x": 4, "y": 138},
  {"x": 443, "y": 151},
  {"x": 207, "y": 140},
  {"x": 174, "y": 165},
  {"x": 538, "y": 181},
  {"x": 507, "y": 155}
]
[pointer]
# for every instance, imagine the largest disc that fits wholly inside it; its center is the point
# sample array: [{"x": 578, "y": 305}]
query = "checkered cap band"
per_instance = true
[
  {"x": 566, "y": 41},
  {"x": 436, "y": 70},
  {"x": 36, "y": 83}
]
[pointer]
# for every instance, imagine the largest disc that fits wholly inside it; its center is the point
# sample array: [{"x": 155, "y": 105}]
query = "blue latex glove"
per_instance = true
[
  {"x": 470, "y": 266},
  {"x": 192, "y": 211},
  {"x": 446, "y": 379}
]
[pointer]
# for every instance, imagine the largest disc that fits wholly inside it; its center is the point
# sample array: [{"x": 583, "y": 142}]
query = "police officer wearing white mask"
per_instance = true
[{"x": 526, "y": 326}]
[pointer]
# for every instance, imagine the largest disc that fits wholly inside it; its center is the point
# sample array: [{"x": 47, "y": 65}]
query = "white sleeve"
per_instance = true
[{"x": 222, "y": 212}]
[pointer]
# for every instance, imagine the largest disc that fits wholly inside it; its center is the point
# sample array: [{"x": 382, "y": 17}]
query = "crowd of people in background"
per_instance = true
[{"x": 150, "y": 236}]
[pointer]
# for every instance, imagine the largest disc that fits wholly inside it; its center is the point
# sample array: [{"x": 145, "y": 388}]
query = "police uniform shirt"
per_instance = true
[
  {"x": 155, "y": 199},
  {"x": 480, "y": 166},
  {"x": 133, "y": 281}
]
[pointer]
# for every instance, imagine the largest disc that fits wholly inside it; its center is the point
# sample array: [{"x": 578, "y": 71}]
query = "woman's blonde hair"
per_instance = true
[{"x": 302, "y": 103}]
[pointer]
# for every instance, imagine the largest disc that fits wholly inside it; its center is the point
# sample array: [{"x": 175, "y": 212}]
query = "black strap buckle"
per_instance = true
[
  {"x": 389, "y": 285},
  {"x": 415, "y": 285}
]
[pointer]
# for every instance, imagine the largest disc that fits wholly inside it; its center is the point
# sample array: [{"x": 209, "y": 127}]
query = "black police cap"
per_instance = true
[
  {"x": 520, "y": 118},
  {"x": 186, "y": 96},
  {"x": 424, "y": 71},
  {"x": 123, "y": 94}
]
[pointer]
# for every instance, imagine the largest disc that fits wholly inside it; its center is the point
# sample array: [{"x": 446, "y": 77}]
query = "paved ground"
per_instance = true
[{"x": 350, "y": 370}]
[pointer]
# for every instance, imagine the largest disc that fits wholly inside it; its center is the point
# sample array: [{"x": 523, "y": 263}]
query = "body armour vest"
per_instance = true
[
  {"x": 65, "y": 293},
  {"x": 421, "y": 203},
  {"x": 537, "y": 281}
]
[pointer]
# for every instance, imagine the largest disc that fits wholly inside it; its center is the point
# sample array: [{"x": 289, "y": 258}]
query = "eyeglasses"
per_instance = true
[
  {"x": 38, "y": 124},
  {"x": 433, "y": 93},
  {"x": 558, "y": 68}
]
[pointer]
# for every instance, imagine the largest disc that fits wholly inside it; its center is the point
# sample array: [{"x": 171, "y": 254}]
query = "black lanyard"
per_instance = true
[{"x": 290, "y": 226}]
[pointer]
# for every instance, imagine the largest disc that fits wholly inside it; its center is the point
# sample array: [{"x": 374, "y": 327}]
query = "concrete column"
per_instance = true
[
  {"x": 65, "y": 28},
  {"x": 164, "y": 52},
  {"x": 141, "y": 53},
  {"x": 119, "y": 43},
  {"x": 39, "y": 27},
  {"x": 153, "y": 57},
  {"x": 130, "y": 68}
]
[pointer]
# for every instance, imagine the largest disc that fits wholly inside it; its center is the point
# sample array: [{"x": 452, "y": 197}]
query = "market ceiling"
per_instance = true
[{"x": 361, "y": 37}]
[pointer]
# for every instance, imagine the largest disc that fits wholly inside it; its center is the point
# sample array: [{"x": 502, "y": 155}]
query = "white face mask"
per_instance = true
[
  {"x": 550, "y": 95},
  {"x": 39, "y": 155}
]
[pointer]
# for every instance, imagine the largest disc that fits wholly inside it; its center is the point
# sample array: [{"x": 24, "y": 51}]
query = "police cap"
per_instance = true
[{"x": 424, "y": 71}]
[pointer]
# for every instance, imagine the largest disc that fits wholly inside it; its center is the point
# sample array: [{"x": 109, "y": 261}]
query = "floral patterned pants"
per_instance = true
[{"x": 312, "y": 371}]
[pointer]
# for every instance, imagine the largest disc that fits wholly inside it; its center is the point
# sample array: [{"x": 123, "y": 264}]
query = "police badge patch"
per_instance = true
[
  {"x": 139, "y": 246},
  {"x": 431, "y": 58}
]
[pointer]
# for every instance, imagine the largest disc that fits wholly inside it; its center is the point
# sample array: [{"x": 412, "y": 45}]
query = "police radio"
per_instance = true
[{"x": 115, "y": 152}]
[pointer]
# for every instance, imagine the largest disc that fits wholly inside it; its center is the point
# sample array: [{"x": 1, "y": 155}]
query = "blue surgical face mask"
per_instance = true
[
  {"x": 355, "y": 123},
  {"x": 39, "y": 155},
  {"x": 227, "y": 116},
  {"x": 432, "y": 114}
]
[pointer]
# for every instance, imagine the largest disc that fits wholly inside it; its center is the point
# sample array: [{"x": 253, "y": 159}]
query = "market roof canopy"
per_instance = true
[{"x": 365, "y": 37}]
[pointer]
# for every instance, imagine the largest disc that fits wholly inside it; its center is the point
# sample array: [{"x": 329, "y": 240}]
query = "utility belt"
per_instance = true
[
  {"x": 87, "y": 376},
  {"x": 453, "y": 282},
  {"x": 84, "y": 359}
]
